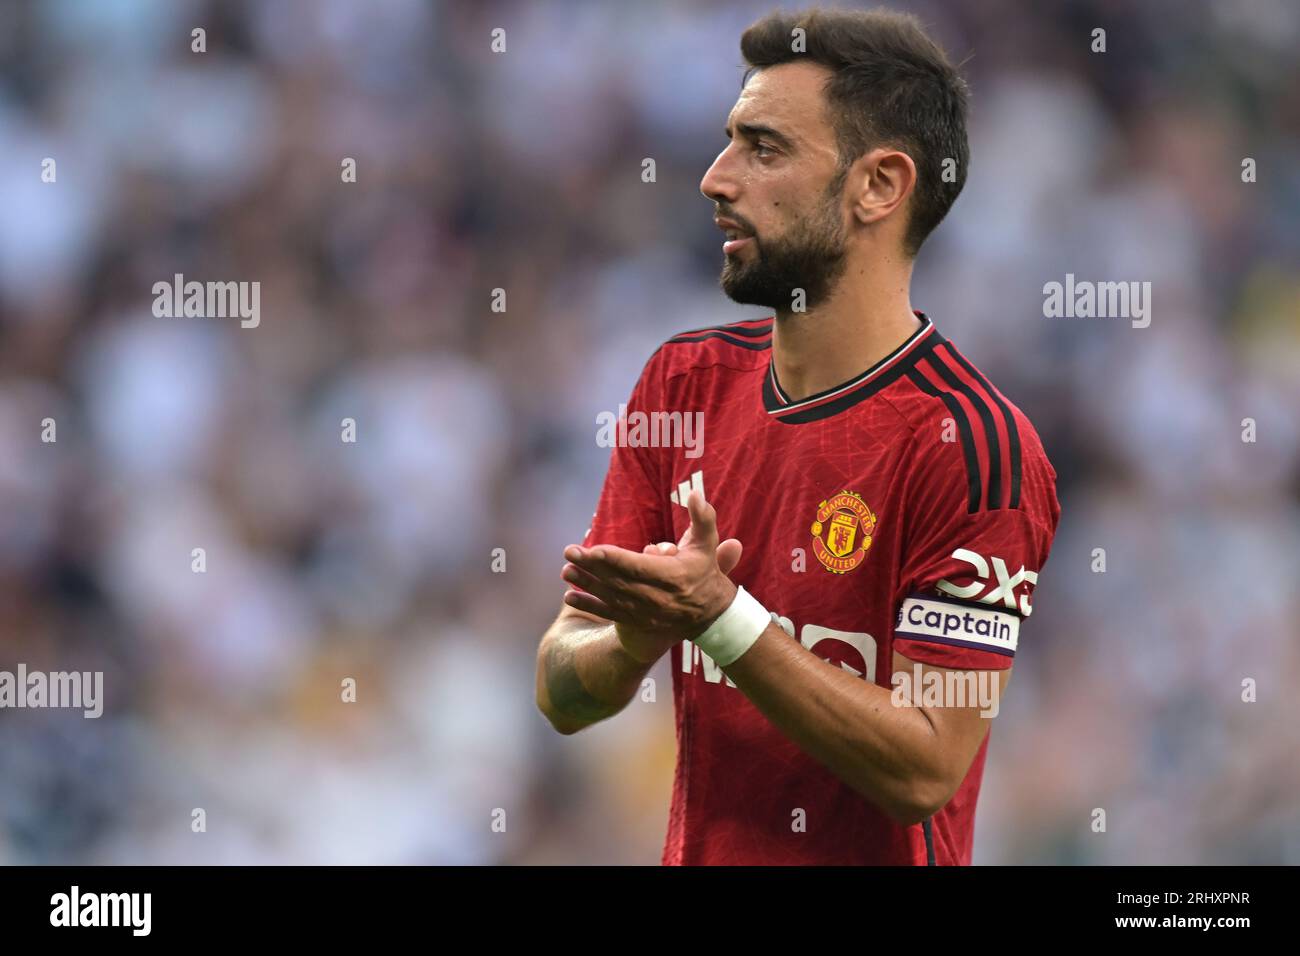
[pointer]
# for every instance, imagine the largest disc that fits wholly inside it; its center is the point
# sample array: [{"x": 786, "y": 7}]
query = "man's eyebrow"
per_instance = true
[{"x": 755, "y": 131}]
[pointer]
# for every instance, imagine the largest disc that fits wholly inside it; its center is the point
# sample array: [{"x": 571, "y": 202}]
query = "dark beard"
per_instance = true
[{"x": 810, "y": 257}]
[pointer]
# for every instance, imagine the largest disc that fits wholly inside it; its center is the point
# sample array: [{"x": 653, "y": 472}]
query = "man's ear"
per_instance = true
[{"x": 884, "y": 179}]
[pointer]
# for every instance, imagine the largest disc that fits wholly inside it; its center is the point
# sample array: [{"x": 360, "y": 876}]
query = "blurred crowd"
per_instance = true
[{"x": 521, "y": 170}]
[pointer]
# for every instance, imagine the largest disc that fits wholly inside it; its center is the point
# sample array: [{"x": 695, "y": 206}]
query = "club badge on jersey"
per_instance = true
[{"x": 842, "y": 532}]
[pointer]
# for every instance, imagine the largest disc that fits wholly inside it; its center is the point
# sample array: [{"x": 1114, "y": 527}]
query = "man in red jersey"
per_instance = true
[{"x": 886, "y": 510}]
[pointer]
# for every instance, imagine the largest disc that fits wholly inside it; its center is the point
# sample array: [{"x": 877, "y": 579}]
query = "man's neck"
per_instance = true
[{"x": 841, "y": 338}]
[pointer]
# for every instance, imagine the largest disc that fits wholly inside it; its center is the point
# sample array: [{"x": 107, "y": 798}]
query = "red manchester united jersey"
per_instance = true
[{"x": 909, "y": 509}]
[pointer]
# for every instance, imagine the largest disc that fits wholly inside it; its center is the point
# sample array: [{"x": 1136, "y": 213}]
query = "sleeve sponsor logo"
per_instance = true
[
  {"x": 941, "y": 621},
  {"x": 1003, "y": 582}
]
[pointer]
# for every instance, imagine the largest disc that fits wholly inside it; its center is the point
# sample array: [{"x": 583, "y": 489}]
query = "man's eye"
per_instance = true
[{"x": 762, "y": 149}]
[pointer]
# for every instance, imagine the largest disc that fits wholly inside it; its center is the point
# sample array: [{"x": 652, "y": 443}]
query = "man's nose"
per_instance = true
[{"x": 718, "y": 183}]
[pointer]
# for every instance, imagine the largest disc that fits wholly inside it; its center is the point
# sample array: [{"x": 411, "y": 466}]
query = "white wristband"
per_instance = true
[{"x": 735, "y": 630}]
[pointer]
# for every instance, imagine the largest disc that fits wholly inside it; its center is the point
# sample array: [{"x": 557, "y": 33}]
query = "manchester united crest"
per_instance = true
[{"x": 842, "y": 531}]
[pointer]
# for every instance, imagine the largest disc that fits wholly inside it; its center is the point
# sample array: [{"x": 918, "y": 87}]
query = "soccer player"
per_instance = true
[{"x": 877, "y": 511}]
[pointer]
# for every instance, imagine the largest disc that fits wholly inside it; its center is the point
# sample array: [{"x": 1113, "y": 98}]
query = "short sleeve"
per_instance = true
[
  {"x": 631, "y": 510},
  {"x": 968, "y": 577}
]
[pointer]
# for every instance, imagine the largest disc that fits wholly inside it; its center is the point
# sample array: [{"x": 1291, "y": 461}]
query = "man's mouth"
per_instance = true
[{"x": 736, "y": 237}]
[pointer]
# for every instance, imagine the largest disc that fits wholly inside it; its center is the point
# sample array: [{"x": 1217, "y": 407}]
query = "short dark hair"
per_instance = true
[{"x": 891, "y": 86}]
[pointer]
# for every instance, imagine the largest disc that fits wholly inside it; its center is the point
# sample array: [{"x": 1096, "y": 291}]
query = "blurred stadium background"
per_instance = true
[{"x": 476, "y": 429}]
